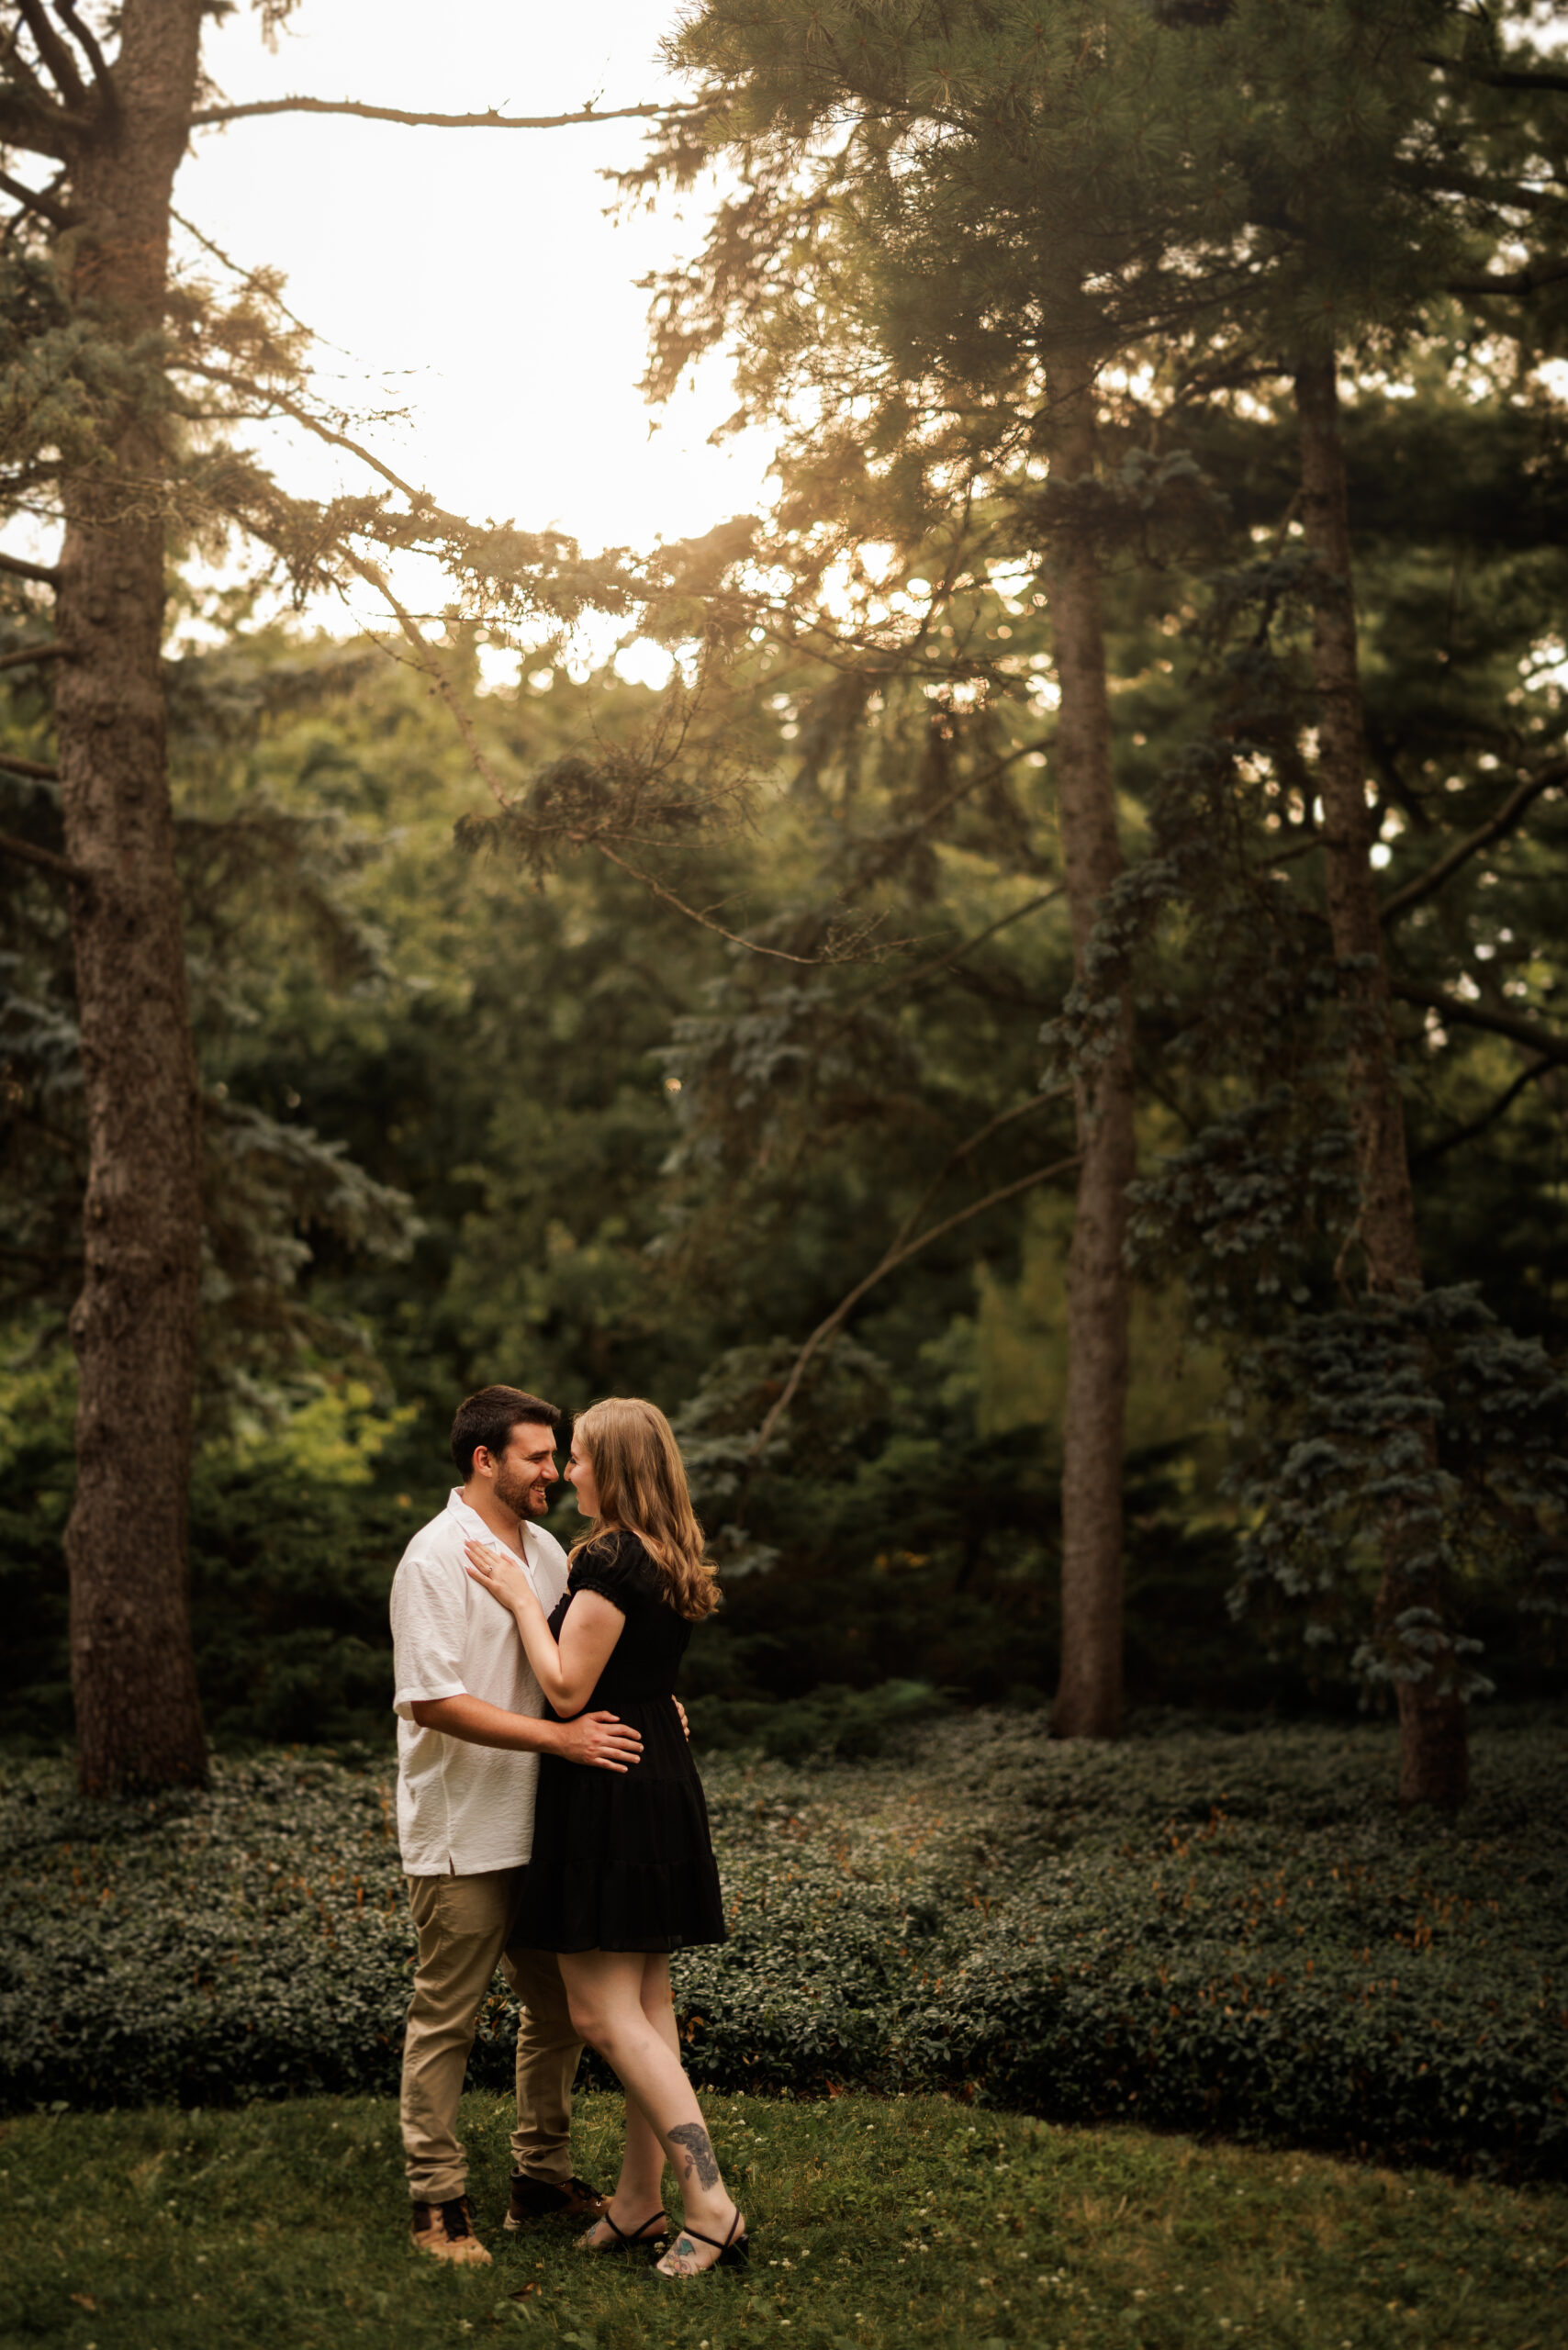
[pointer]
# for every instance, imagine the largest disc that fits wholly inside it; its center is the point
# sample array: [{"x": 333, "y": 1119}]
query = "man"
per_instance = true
[{"x": 470, "y": 1731}]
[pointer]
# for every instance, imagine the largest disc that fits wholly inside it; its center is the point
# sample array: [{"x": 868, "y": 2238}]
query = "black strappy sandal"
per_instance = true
[
  {"x": 734, "y": 2253},
  {"x": 639, "y": 2240}
]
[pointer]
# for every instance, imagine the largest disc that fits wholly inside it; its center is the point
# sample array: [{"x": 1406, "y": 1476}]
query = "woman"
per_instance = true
[{"x": 622, "y": 1869}]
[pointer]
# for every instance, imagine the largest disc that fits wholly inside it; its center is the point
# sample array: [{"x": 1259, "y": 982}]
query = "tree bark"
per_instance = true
[
  {"x": 1433, "y": 1756},
  {"x": 134, "y": 1325},
  {"x": 1089, "y": 1692}
]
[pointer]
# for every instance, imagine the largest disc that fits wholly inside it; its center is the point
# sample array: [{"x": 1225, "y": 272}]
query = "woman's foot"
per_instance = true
[
  {"x": 692, "y": 2253},
  {"x": 608, "y": 2235}
]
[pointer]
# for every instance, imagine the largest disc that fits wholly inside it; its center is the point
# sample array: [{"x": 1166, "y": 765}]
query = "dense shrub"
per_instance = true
[{"x": 1227, "y": 1931}]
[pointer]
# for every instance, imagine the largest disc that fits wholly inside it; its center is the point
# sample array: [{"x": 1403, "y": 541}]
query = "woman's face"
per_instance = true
[{"x": 580, "y": 1475}]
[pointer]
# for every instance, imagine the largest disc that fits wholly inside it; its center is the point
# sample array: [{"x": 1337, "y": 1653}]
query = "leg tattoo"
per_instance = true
[{"x": 700, "y": 2151}]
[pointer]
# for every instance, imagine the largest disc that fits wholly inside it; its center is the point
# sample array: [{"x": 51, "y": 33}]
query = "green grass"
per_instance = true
[{"x": 875, "y": 2222}]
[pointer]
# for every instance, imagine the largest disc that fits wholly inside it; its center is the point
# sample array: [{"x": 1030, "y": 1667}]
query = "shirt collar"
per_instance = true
[{"x": 469, "y": 1519}]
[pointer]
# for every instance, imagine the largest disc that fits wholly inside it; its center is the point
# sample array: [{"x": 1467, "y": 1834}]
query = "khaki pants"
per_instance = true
[{"x": 463, "y": 1924}]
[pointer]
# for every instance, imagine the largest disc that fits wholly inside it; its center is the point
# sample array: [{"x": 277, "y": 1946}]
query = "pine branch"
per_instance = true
[
  {"x": 489, "y": 120},
  {"x": 55, "y": 53},
  {"x": 895, "y": 1257},
  {"x": 250, "y": 278},
  {"x": 430, "y": 661},
  {"x": 1518, "y": 281},
  {"x": 28, "y": 853},
  {"x": 271, "y": 397},
  {"x": 1517, "y": 1026},
  {"x": 925, "y": 970},
  {"x": 694, "y": 914},
  {"x": 52, "y": 651},
  {"x": 30, "y": 767},
  {"x": 1546, "y": 79},
  {"x": 38, "y": 200},
  {"x": 1499, "y": 195},
  {"x": 1506, "y": 817},
  {"x": 1488, "y": 1118},
  {"x": 86, "y": 41}
]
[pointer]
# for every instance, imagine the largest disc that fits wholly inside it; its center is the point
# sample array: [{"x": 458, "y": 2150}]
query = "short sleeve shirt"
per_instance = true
[{"x": 461, "y": 1808}]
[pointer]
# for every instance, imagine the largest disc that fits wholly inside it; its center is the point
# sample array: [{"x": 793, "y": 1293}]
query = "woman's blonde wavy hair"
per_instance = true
[{"x": 642, "y": 1487}]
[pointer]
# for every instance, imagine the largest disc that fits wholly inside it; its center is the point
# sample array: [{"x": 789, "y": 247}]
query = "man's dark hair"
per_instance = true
[{"x": 488, "y": 1418}]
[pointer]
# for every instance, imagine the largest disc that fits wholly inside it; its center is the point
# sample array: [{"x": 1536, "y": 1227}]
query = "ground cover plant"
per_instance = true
[
  {"x": 1231, "y": 1932},
  {"x": 912, "y": 2220}
]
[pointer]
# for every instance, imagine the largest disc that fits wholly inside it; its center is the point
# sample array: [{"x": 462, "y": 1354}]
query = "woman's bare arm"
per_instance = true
[{"x": 567, "y": 1674}]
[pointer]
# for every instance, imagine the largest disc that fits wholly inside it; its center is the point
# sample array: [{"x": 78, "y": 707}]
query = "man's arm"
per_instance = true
[{"x": 597, "y": 1740}]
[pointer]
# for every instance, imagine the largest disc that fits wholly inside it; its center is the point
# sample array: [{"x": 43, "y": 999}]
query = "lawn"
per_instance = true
[{"x": 877, "y": 2221}]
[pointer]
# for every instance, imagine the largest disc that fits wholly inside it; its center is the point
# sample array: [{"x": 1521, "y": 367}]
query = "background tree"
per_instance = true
[
  {"x": 122, "y": 389},
  {"x": 1294, "y": 173}
]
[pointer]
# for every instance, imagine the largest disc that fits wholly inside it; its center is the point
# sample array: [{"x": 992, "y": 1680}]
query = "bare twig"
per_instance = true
[
  {"x": 1504, "y": 1103},
  {"x": 39, "y": 571},
  {"x": 251, "y": 277},
  {"x": 280, "y": 399},
  {"x": 52, "y": 651},
  {"x": 488, "y": 120},
  {"x": 87, "y": 42},
  {"x": 32, "y": 199},
  {"x": 1544, "y": 779},
  {"x": 430, "y": 662},
  {"x": 895, "y": 1257},
  {"x": 937, "y": 963},
  {"x": 1450, "y": 1010},
  {"x": 28, "y": 853},
  {"x": 1516, "y": 281},
  {"x": 694, "y": 914},
  {"x": 12, "y": 766},
  {"x": 55, "y": 53}
]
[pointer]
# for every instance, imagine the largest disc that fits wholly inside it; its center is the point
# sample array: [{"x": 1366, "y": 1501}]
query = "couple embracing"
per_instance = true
[{"x": 551, "y": 1818}]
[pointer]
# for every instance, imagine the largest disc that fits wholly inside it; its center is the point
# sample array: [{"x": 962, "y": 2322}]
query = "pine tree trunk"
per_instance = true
[
  {"x": 1433, "y": 1765},
  {"x": 1089, "y": 1694},
  {"x": 134, "y": 1325}
]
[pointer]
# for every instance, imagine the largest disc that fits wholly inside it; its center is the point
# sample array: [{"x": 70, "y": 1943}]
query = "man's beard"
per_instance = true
[{"x": 516, "y": 1493}]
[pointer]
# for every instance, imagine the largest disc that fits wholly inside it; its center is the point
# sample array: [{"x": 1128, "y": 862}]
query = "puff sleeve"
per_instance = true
[{"x": 620, "y": 1569}]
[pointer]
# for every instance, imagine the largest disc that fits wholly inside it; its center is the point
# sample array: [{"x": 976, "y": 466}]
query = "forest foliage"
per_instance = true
[{"x": 617, "y": 1040}]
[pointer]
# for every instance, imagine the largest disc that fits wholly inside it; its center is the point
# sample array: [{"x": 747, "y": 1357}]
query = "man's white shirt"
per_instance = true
[{"x": 464, "y": 1808}]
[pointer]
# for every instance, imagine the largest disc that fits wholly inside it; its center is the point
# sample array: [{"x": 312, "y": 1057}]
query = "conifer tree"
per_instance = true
[
  {"x": 1375, "y": 195},
  {"x": 118, "y": 385},
  {"x": 1003, "y": 202},
  {"x": 958, "y": 216}
]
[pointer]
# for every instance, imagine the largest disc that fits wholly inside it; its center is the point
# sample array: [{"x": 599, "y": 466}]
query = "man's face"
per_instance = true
[{"x": 525, "y": 1472}]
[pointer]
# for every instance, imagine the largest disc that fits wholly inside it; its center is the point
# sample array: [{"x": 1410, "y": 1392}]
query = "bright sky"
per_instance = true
[{"x": 471, "y": 276}]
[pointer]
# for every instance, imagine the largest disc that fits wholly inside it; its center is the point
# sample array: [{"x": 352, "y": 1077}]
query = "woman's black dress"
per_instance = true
[{"x": 623, "y": 1861}]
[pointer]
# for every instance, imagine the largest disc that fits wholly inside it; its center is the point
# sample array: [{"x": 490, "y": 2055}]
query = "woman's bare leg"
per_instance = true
[
  {"x": 639, "y": 2191},
  {"x": 606, "y": 1990}
]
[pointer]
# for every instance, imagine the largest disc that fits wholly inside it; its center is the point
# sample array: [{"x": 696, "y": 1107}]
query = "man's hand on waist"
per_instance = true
[{"x": 600, "y": 1741}]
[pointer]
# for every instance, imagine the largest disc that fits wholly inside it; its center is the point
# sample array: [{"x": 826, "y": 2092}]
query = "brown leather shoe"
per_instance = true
[
  {"x": 446, "y": 2232},
  {"x": 548, "y": 2198}
]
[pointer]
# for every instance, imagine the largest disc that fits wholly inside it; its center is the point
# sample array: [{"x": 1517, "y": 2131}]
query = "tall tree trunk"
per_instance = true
[
  {"x": 1433, "y": 1757},
  {"x": 134, "y": 1325},
  {"x": 1089, "y": 1694}
]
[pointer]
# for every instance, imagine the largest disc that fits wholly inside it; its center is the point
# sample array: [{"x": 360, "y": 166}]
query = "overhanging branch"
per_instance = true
[
  {"x": 1517, "y": 281},
  {"x": 41, "y": 572},
  {"x": 52, "y": 651},
  {"x": 489, "y": 120},
  {"x": 895, "y": 1257},
  {"x": 32, "y": 199},
  {"x": 1424, "y": 884},
  {"x": 1489, "y": 1116},
  {"x": 1516, "y": 1025},
  {"x": 28, "y": 853}
]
